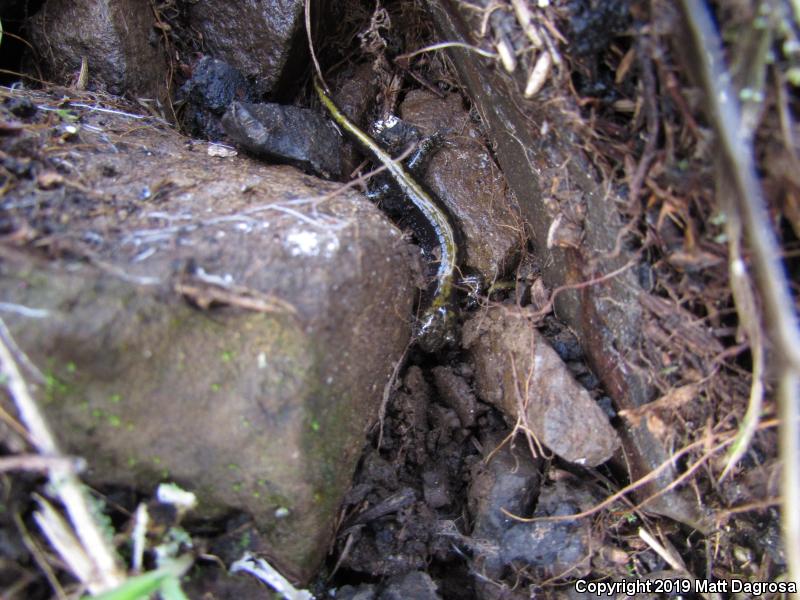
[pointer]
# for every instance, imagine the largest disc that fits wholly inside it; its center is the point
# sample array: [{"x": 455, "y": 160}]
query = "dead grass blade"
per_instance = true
[{"x": 106, "y": 573}]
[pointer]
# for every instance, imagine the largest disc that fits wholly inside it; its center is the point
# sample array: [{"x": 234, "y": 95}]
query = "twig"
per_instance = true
[
  {"x": 139, "y": 537},
  {"x": 106, "y": 572},
  {"x": 307, "y": 14},
  {"x": 724, "y": 515},
  {"x": 39, "y": 558},
  {"x": 37, "y": 462},
  {"x": 723, "y": 111},
  {"x": 672, "y": 559},
  {"x": 669, "y": 463},
  {"x": 25, "y": 311},
  {"x": 6, "y": 336},
  {"x": 445, "y": 45},
  {"x": 583, "y": 284},
  {"x": 788, "y": 393},
  {"x": 391, "y": 385},
  {"x": 111, "y": 111},
  {"x": 746, "y": 309},
  {"x": 261, "y": 569},
  {"x": 62, "y": 538},
  {"x": 645, "y": 52},
  {"x": 206, "y": 294}
]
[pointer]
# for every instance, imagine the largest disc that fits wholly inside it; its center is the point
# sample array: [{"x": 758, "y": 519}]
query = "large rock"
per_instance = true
[
  {"x": 518, "y": 372},
  {"x": 116, "y": 37},
  {"x": 230, "y": 325},
  {"x": 254, "y": 37}
]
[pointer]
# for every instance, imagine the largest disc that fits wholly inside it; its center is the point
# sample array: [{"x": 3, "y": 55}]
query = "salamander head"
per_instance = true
[{"x": 436, "y": 329}]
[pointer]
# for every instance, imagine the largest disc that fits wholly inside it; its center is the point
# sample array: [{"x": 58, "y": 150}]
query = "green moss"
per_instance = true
[
  {"x": 793, "y": 76},
  {"x": 245, "y": 540},
  {"x": 115, "y": 398},
  {"x": 114, "y": 421},
  {"x": 54, "y": 388}
]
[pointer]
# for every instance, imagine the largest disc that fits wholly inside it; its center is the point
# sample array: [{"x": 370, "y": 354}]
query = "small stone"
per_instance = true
[
  {"x": 416, "y": 585},
  {"x": 214, "y": 84},
  {"x": 365, "y": 591},
  {"x": 49, "y": 180},
  {"x": 220, "y": 151},
  {"x": 435, "y": 488},
  {"x": 507, "y": 482},
  {"x": 554, "y": 548},
  {"x": 298, "y": 136},
  {"x": 511, "y": 358}
]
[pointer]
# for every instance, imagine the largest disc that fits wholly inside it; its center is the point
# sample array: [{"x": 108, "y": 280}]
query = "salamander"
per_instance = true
[{"x": 435, "y": 327}]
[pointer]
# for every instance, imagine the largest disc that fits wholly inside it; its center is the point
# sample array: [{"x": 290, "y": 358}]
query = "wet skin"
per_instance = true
[{"x": 435, "y": 328}]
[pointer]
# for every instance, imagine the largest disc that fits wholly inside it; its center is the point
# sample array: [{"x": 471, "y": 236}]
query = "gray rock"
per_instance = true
[
  {"x": 508, "y": 481},
  {"x": 435, "y": 488},
  {"x": 290, "y": 134},
  {"x": 416, "y": 584},
  {"x": 254, "y": 37},
  {"x": 465, "y": 178},
  {"x": 516, "y": 367},
  {"x": 213, "y": 86},
  {"x": 225, "y": 328},
  {"x": 116, "y": 37},
  {"x": 365, "y": 591},
  {"x": 554, "y": 548}
]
